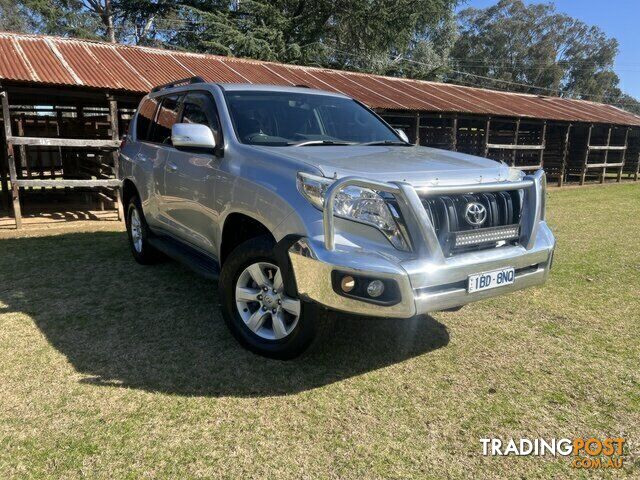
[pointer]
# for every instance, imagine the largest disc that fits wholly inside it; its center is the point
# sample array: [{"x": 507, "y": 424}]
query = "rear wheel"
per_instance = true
[
  {"x": 258, "y": 311},
  {"x": 138, "y": 233}
]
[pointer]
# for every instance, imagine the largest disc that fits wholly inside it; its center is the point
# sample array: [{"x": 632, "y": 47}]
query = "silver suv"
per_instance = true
[{"x": 303, "y": 202}]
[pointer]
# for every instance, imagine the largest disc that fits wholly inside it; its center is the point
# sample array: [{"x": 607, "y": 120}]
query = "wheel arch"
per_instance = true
[
  {"x": 129, "y": 190},
  {"x": 239, "y": 227}
]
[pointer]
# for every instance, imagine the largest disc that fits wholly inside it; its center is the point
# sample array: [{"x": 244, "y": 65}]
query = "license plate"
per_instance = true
[{"x": 493, "y": 279}]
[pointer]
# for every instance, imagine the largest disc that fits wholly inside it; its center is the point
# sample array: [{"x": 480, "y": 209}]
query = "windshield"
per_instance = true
[{"x": 287, "y": 119}]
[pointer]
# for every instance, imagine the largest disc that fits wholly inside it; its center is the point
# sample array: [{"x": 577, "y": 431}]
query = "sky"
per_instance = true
[{"x": 617, "y": 18}]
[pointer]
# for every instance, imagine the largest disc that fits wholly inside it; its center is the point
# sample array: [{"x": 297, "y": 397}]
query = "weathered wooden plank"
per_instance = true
[
  {"x": 63, "y": 142},
  {"x": 607, "y": 147},
  {"x": 604, "y": 165},
  {"x": 510, "y": 146},
  {"x": 15, "y": 191},
  {"x": 111, "y": 182},
  {"x": 529, "y": 167}
]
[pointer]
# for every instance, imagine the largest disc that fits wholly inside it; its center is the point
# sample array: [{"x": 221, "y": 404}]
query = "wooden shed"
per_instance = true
[{"x": 66, "y": 103}]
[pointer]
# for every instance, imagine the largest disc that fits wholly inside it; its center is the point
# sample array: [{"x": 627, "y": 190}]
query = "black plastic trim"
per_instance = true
[{"x": 281, "y": 252}]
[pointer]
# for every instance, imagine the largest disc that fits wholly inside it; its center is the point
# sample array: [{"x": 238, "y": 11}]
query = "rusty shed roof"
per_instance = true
[{"x": 37, "y": 59}]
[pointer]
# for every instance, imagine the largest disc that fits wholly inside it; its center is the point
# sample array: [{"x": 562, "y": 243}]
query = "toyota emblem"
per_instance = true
[{"x": 475, "y": 214}]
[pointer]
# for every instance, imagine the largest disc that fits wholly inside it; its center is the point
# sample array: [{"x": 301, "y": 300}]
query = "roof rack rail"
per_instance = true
[{"x": 178, "y": 83}]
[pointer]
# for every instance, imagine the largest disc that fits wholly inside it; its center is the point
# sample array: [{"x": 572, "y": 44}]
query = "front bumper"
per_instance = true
[
  {"x": 430, "y": 282},
  {"x": 424, "y": 286}
]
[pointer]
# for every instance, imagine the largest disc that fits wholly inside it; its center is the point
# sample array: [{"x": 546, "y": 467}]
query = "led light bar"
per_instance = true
[{"x": 486, "y": 235}]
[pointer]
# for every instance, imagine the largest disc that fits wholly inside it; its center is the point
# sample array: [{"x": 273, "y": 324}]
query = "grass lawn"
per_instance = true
[{"x": 113, "y": 370}]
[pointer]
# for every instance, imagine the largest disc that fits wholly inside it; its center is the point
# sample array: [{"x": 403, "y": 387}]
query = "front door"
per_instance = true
[{"x": 158, "y": 152}]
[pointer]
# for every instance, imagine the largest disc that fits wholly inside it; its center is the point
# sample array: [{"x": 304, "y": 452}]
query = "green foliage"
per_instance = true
[
  {"x": 145, "y": 22},
  {"x": 60, "y": 17},
  {"x": 366, "y": 35},
  {"x": 13, "y": 18},
  {"x": 535, "y": 46}
]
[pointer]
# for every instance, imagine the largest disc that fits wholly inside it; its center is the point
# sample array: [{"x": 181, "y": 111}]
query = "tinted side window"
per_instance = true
[
  {"x": 167, "y": 116},
  {"x": 200, "y": 108},
  {"x": 146, "y": 112}
]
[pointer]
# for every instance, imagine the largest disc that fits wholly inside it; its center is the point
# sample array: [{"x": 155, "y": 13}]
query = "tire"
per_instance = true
[
  {"x": 255, "y": 317},
  {"x": 138, "y": 233}
]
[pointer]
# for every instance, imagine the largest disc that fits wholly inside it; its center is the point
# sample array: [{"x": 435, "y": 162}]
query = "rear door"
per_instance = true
[{"x": 190, "y": 177}]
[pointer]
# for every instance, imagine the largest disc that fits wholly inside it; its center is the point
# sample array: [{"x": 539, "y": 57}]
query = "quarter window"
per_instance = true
[
  {"x": 167, "y": 116},
  {"x": 146, "y": 112}
]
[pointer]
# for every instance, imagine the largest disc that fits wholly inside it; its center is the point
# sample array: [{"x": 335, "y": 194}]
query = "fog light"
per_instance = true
[
  {"x": 375, "y": 288},
  {"x": 347, "y": 283}
]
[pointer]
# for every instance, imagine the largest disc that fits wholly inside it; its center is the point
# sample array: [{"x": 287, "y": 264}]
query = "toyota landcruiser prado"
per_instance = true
[{"x": 301, "y": 202}]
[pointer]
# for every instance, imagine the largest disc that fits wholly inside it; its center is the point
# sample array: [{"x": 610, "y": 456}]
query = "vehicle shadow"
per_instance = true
[{"x": 158, "y": 328}]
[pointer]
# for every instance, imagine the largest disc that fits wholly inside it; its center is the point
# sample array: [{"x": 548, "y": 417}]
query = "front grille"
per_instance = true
[{"x": 449, "y": 216}]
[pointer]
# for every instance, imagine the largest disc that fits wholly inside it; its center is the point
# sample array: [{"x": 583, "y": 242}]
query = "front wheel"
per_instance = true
[{"x": 256, "y": 308}]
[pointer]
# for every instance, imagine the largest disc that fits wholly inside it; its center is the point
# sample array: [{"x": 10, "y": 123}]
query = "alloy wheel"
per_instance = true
[{"x": 262, "y": 304}]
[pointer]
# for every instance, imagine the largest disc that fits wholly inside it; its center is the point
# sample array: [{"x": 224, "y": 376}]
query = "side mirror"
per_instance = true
[
  {"x": 402, "y": 135},
  {"x": 192, "y": 135}
]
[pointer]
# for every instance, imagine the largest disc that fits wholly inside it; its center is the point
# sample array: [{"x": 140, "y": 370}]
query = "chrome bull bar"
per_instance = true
[{"x": 419, "y": 224}]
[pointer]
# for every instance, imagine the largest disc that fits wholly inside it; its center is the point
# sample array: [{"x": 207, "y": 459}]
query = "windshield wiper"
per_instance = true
[
  {"x": 386, "y": 142},
  {"x": 305, "y": 143}
]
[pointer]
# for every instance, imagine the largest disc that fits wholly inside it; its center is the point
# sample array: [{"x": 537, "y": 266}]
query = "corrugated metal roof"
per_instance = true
[{"x": 62, "y": 61}]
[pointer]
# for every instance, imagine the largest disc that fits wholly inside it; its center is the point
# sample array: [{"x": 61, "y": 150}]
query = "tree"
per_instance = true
[
  {"x": 130, "y": 21},
  {"x": 626, "y": 102},
  {"x": 365, "y": 35},
  {"x": 13, "y": 17},
  {"x": 532, "y": 48},
  {"x": 59, "y": 17},
  {"x": 145, "y": 22}
]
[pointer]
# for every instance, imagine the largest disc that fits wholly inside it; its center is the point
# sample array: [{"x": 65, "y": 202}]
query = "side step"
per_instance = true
[{"x": 196, "y": 261}]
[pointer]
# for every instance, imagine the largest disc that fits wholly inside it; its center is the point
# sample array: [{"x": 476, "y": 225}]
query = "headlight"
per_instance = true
[{"x": 357, "y": 204}]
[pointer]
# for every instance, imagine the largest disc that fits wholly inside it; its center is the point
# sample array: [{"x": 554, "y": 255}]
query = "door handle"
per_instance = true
[{"x": 172, "y": 166}]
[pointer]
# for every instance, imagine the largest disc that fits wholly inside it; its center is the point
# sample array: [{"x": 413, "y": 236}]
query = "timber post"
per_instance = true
[
  {"x": 624, "y": 154},
  {"x": 454, "y": 133},
  {"x": 586, "y": 155},
  {"x": 486, "y": 137},
  {"x": 4, "y": 182},
  {"x": 565, "y": 152},
  {"x": 543, "y": 143},
  {"x": 515, "y": 142},
  {"x": 606, "y": 155},
  {"x": 115, "y": 135},
  {"x": 13, "y": 175}
]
